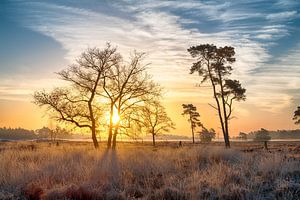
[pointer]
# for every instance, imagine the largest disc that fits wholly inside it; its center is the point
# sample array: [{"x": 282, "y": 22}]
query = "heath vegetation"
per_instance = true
[{"x": 135, "y": 171}]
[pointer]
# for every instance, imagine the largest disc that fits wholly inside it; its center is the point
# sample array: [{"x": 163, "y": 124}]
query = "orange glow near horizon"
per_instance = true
[
  {"x": 41, "y": 39},
  {"x": 27, "y": 115}
]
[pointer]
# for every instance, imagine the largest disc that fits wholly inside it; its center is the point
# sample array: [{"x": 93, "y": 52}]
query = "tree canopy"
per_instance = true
[
  {"x": 297, "y": 115},
  {"x": 207, "y": 135},
  {"x": 214, "y": 65},
  {"x": 193, "y": 117},
  {"x": 262, "y": 135},
  {"x": 101, "y": 76}
]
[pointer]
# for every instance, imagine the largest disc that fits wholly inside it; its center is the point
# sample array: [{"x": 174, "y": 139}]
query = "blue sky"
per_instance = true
[{"x": 38, "y": 38}]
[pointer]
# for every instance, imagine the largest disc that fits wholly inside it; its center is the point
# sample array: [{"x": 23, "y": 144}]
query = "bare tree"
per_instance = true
[
  {"x": 58, "y": 132},
  {"x": 110, "y": 89},
  {"x": 193, "y": 117},
  {"x": 297, "y": 115},
  {"x": 130, "y": 125},
  {"x": 129, "y": 87},
  {"x": 214, "y": 65},
  {"x": 155, "y": 120},
  {"x": 77, "y": 103}
]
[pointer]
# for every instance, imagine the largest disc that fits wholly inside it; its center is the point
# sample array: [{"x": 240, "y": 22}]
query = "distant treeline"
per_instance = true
[
  {"x": 24, "y": 134},
  {"x": 17, "y": 134},
  {"x": 279, "y": 134}
]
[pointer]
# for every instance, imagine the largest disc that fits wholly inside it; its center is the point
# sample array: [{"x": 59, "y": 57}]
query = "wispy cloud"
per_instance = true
[
  {"x": 271, "y": 84},
  {"x": 287, "y": 3},
  {"x": 282, "y": 16},
  {"x": 165, "y": 29}
]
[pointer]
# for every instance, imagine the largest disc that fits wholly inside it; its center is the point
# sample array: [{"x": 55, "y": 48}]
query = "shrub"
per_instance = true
[
  {"x": 207, "y": 135},
  {"x": 262, "y": 135}
]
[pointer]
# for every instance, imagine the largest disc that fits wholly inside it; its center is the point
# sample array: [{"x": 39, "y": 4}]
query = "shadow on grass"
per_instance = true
[{"x": 107, "y": 169}]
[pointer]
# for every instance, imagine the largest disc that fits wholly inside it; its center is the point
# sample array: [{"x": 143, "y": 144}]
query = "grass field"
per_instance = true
[{"x": 31, "y": 170}]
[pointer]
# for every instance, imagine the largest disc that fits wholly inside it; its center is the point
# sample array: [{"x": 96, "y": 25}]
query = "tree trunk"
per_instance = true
[
  {"x": 114, "y": 145},
  {"x": 193, "y": 135},
  {"x": 218, "y": 104},
  {"x": 94, "y": 138},
  {"x": 115, "y": 135},
  {"x": 266, "y": 145},
  {"x": 110, "y": 134},
  {"x": 192, "y": 127},
  {"x": 226, "y": 135},
  {"x": 96, "y": 145},
  {"x": 227, "y": 142},
  {"x": 116, "y": 127},
  {"x": 109, "y": 137},
  {"x": 153, "y": 139}
]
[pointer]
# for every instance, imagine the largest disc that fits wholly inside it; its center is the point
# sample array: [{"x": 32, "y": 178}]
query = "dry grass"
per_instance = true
[{"x": 77, "y": 171}]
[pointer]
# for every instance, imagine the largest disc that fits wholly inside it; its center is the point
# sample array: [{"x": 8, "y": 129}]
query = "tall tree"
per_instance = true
[
  {"x": 77, "y": 103},
  {"x": 155, "y": 120},
  {"x": 213, "y": 64},
  {"x": 132, "y": 87},
  {"x": 193, "y": 117},
  {"x": 297, "y": 115}
]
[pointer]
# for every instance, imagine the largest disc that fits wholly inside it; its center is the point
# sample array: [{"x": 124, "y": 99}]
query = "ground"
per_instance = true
[{"x": 38, "y": 170}]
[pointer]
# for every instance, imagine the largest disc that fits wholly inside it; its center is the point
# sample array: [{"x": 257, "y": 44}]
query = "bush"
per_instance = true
[
  {"x": 207, "y": 135},
  {"x": 262, "y": 135}
]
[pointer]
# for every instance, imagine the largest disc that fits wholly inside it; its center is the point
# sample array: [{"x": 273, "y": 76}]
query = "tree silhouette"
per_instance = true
[
  {"x": 100, "y": 75},
  {"x": 58, "y": 132},
  {"x": 132, "y": 88},
  {"x": 207, "y": 135},
  {"x": 242, "y": 136},
  {"x": 193, "y": 117},
  {"x": 76, "y": 104},
  {"x": 214, "y": 65},
  {"x": 297, "y": 115},
  {"x": 263, "y": 135},
  {"x": 155, "y": 120}
]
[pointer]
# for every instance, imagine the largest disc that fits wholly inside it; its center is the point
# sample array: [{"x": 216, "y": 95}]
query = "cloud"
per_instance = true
[
  {"x": 23, "y": 89},
  {"x": 287, "y": 3},
  {"x": 271, "y": 85},
  {"x": 282, "y": 16},
  {"x": 156, "y": 27}
]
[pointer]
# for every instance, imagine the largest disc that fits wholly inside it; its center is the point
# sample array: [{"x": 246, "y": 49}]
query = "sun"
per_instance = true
[{"x": 115, "y": 118}]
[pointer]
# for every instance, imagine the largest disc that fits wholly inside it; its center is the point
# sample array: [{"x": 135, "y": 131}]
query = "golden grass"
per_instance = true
[{"x": 77, "y": 171}]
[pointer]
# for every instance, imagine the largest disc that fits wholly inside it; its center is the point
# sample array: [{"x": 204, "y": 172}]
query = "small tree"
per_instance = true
[
  {"x": 193, "y": 117},
  {"x": 155, "y": 119},
  {"x": 242, "y": 136},
  {"x": 207, "y": 135},
  {"x": 44, "y": 132},
  {"x": 263, "y": 135},
  {"x": 297, "y": 115},
  {"x": 58, "y": 132}
]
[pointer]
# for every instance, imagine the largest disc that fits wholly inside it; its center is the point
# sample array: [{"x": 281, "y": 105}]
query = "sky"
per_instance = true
[{"x": 38, "y": 38}]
